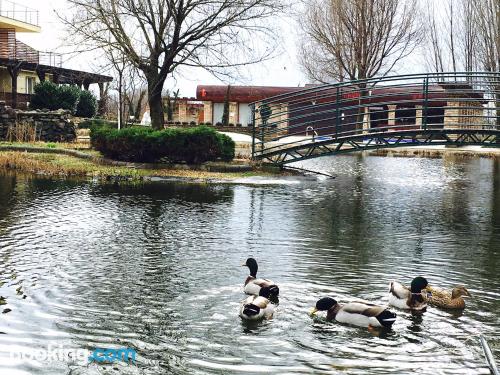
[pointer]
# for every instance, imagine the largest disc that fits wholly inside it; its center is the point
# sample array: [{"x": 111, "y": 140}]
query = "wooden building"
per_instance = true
[{"x": 22, "y": 66}]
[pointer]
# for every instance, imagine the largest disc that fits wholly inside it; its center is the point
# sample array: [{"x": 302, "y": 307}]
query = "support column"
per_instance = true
[
  {"x": 366, "y": 121},
  {"x": 86, "y": 85},
  {"x": 41, "y": 75},
  {"x": 14, "y": 73},
  {"x": 451, "y": 115},
  {"x": 418, "y": 116},
  {"x": 182, "y": 106},
  {"x": 55, "y": 78},
  {"x": 391, "y": 114},
  {"x": 102, "y": 99},
  {"x": 207, "y": 112}
]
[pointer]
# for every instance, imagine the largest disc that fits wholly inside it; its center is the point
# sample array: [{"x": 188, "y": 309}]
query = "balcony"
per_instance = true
[
  {"x": 9, "y": 9},
  {"x": 19, "y": 17},
  {"x": 13, "y": 49}
]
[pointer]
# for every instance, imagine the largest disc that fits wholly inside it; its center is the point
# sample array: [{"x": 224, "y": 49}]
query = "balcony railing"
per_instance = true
[
  {"x": 50, "y": 58},
  {"x": 19, "y": 12},
  {"x": 16, "y": 50}
]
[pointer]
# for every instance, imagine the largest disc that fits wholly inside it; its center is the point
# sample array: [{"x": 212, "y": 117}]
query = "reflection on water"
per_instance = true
[{"x": 156, "y": 268}]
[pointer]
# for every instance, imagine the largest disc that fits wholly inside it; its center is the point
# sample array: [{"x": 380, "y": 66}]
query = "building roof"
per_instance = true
[
  {"x": 65, "y": 75},
  {"x": 241, "y": 94},
  {"x": 410, "y": 94}
]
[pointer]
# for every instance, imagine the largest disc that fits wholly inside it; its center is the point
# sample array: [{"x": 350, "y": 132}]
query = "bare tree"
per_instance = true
[
  {"x": 488, "y": 22},
  {"x": 159, "y": 36},
  {"x": 451, "y": 36},
  {"x": 357, "y": 39},
  {"x": 118, "y": 65}
]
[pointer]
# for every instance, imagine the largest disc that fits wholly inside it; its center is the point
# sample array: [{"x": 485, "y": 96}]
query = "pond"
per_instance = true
[{"x": 156, "y": 268}]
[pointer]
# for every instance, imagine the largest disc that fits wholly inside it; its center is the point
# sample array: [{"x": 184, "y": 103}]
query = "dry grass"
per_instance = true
[
  {"x": 66, "y": 166},
  {"x": 21, "y": 132},
  {"x": 83, "y": 146}
]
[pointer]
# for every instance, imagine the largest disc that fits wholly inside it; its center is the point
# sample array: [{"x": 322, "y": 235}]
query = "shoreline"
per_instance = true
[
  {"x": 437, "y": 151},
  {"x": 56, "y": 161},
  {"x": 63, "y": 161}
]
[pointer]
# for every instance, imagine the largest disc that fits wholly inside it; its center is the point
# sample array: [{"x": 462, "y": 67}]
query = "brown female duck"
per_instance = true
[{"x": 447, "y": 298}]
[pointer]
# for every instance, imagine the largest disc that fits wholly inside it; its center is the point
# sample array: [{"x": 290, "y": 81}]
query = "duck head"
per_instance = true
[
  {"x": 418, "y": 284},
  {"x": 460, "y": 291},
  {"x": 324, "y": 304},
  {"x": 251, "y": 263}
]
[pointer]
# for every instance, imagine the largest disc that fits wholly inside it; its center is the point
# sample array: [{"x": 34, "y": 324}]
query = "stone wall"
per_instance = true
[{"x": 49, "y": 126}]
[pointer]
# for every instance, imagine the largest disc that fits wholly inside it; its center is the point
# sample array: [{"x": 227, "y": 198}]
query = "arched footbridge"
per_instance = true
[{"x": 399, "y": 111}]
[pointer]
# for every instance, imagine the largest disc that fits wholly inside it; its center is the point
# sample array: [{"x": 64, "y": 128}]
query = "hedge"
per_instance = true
[
  {"x": 96, "y": 123},
  {"x": 141, "y": 144}
]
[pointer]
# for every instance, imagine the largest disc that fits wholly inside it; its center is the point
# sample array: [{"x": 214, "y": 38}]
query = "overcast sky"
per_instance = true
[{"x": 281, "y": 71}]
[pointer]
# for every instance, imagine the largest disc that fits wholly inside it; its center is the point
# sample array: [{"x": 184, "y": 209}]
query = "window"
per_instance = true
[{"x": 30, "y": 84}]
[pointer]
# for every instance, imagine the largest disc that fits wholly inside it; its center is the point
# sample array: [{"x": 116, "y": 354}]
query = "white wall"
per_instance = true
[
  {"x": 218, "y": 111},
  {"x": 245, "y": 114}
]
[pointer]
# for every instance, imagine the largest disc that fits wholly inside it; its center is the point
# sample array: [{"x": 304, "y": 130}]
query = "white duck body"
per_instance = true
[
  {"x": 253, "y": 285},
  {"x": 401, "y": 297},
  {"x": 255, "y": 308},
  {"x": 359, "y": 313}
]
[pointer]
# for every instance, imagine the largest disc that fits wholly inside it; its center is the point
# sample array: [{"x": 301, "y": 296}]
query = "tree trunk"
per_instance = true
[
  {"x": 120, "y": 100},
  {"x": 155, "y": 102}
]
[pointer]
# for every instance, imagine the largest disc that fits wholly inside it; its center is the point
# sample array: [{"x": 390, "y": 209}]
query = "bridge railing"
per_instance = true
[{"x": 467, "y": 100}]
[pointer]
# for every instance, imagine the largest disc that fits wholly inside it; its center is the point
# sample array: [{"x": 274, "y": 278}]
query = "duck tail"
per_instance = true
[
  {"x": 251, "y": 310},
  {"x": 386, "y": 318}
]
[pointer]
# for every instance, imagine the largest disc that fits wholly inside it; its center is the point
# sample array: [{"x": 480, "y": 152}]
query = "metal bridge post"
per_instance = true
[
  {"x": 426, "y": 101},
  {"x": 253, "y": 131},
  {"x": 337, "y": 112},
  {"x": 262, "y": 126}
]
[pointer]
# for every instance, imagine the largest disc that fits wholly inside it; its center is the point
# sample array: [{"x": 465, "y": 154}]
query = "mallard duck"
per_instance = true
[
  {"x": 253, "y": 285},
  {"x": 361, "y": 314},
  {"x": 447, "y": 298},
  {"x": 413, "y": 298},
  {"x": 257, "y": 307}
]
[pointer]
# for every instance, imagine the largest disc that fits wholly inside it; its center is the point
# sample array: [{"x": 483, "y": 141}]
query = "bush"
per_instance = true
[
  {"x": 97, "y": 122},
  {"x": 87, "y": 105},
  {"x": 67, "y": 97},
  {"x": 48, "y": 95},
  {"x": 227, "y": 147},
  {"x": 193, "y": 145},
  {"x": 45, "y": 96}
]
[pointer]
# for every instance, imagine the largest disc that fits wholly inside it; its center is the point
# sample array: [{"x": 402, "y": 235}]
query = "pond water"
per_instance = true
[{"x": 156, "y": 268}]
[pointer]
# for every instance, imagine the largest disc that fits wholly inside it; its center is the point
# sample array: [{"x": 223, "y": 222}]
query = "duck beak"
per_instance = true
[
  {"x": 243, "y": 265},
  {"x": 313, "y": 311}
]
